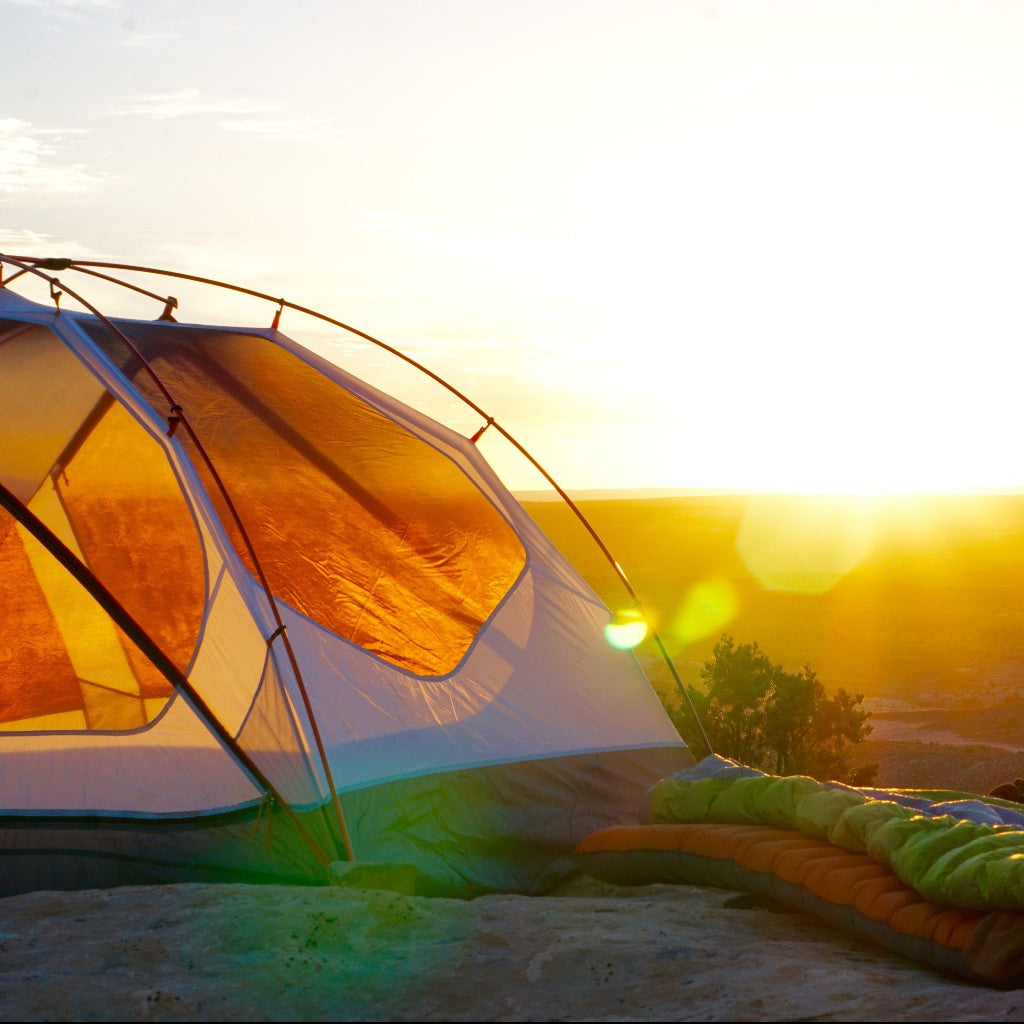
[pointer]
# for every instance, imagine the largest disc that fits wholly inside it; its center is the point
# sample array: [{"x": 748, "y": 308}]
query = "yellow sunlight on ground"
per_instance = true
[
  {"x": 803, "y": 546},
  {"x": 806, "y": 544},
  {"x": 891, "y": 595},
  {"x": 707, "y": 609}
]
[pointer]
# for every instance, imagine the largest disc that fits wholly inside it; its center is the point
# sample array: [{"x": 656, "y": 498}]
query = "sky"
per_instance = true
[{"x": 722, "y": 244}]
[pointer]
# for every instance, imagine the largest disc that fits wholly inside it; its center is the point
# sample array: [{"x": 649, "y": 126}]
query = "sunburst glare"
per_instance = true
[
  {"x": 804, "y": 545},
  {"x": 708, "y": 607},
  {"x": 626, "y": 630}
]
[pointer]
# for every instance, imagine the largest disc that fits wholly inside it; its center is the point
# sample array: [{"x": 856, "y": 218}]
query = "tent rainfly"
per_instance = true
[{"x": 259, "y": 617}]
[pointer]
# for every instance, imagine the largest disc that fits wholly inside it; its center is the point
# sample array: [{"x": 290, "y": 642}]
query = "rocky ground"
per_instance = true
[
  {"x": 972, "y": 768},
  {"x": 942, "y": 750},
  {"x": 590, "y": 952}
]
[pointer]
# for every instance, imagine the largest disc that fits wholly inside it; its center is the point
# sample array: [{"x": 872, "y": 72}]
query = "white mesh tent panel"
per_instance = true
[{"x": 539, "y": 681}]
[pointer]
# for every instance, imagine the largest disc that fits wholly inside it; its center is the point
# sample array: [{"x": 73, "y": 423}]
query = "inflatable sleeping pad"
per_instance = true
[{"x": 938, "y": 877}]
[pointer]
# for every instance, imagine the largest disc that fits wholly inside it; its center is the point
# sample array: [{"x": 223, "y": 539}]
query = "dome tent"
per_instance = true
[{"x": 260, "y": 616}]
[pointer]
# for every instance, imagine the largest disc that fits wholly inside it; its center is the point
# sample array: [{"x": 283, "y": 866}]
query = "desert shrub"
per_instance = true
[{"x": 785, "y": 723}]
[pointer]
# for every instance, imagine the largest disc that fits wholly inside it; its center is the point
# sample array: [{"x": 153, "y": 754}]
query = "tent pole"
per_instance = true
[
  {"x": 85, "y": 576},
  {"x": 281, "y": 630},
  {"x": 655, "y": 636}
]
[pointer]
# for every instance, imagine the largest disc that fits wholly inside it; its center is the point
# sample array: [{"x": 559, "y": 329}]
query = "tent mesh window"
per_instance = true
[
  {"x": 358, "y": 523},
  {"x": 92, "y": 474}
]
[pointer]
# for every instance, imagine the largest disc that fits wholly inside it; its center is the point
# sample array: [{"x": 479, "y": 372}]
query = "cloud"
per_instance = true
[
  {"x": 243, "y": 114},
  {"x": 30, "y": 162},
  {"x": 21, "y": 240},
  {"x": 188, "y": 102},
  {"x": 402, "y": 223},
  {"x": 25, "y": 242},
  {"x": 142, "y": 40},
  {"x": 283, "y": 128},
  {"x": 69, "y": 6}
]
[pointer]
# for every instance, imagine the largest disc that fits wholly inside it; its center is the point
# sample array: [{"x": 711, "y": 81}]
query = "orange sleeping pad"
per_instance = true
[{"x": 848, "y": 890}]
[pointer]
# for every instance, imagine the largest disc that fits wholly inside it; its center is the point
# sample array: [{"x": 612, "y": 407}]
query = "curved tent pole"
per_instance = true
[
  {"x": 117, "y": 612},
  {"x": 655, "y": 635},
  {"x": 178, "y": 418},
  {"x": 85, "y": 267}
]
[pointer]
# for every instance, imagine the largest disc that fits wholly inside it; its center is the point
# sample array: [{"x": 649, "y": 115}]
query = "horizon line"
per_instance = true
[{"x": 640, "y": 493}]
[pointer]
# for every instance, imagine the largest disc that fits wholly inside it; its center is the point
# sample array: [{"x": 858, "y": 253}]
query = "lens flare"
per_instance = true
[
  {"x": 804, "y": 544},
  {"x": 709, "y": 606},
  {"x": 626, "y": 630}
]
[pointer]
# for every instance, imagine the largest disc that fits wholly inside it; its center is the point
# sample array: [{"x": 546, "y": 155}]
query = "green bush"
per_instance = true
[{"x": 784, "y": 723}]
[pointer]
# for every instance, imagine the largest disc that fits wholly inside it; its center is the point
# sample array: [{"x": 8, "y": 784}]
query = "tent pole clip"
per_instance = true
[
  {"x": 173, "y": 420},
  {"x": 170, "y": 305},
  {"x": 277, "y": 316},
  {"x": 55, "y": 292},
  {"x": 480, "y": 433},
  {"x": 277, "y": 632}
]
